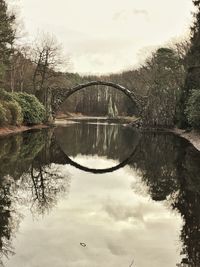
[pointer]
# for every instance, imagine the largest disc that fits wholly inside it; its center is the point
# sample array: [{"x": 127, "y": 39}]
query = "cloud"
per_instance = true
[
  {"x": 105, "y": 36},
  {"x": 125, "y": 14},
  {"x": 120, "y": 15},
  {"x": 104, "y": 46},
  {"x": 140, "y": 12},
  {"x": 116, "y": 248},
  {"x": 124, "y": 213}
]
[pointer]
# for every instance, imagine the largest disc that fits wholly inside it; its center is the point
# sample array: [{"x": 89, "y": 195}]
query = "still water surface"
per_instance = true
[{"x": 99, "y": 195}]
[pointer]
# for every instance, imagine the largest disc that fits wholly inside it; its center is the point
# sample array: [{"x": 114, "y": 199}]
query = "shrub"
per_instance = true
[
  {"x": 5, "y": 96},
  {"x": 18, "y": 108},
  {"x": 8, "y": 113},
  {"x": 193, "y": 109},
  {"x": 16, "y": 113},
  {"x": 33, "y": 111},
  {"x": 12, "y": 110},
  {"x": 3, "y": 119}
]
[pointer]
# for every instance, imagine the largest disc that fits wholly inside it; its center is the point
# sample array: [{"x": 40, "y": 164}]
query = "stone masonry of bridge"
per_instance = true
[{"x": 57, "y": 96}]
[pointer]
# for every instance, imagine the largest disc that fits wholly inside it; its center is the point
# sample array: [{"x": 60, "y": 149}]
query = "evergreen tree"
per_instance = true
[
  {"x": 7, "y": 36},
  {"x": 192, "y": 81},
  {"x": 164, "y": 76}
]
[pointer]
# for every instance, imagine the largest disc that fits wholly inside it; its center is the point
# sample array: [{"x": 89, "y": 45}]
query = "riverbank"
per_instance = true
[
  {"x": 18, "y": 129},
  {"x": 80, "y": 118},
  {"x": 193, "y": 136}
]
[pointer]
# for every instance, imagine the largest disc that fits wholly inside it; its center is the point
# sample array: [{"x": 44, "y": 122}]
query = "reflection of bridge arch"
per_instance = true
[
  {"x": 61, "y": 94},
  {"x": 99, "y": 171},
  {"x": 67, "y": 152}
]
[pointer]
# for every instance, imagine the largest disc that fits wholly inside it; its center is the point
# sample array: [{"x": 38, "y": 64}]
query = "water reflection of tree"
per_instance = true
[
  {"x": 47, "y": 183},
  {"x": 170, "y": 167},
  {"x": 39, "y": 189},
  {"x": 5, "y": 231},
  {"x": 27, "y": 178},
  {"x": 16, "y": 155},
  {"x": 188, "y": 203},
  {"x": 155, "y": 158},
  {"x": 111, "y": 141},
  {"x": 9, "y": 218}
]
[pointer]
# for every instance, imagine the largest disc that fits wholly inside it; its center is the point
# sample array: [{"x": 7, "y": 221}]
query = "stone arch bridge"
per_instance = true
[{"x": 59, "y": 95}]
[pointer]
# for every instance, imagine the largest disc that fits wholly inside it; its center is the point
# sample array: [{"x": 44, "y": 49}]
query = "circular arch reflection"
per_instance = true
[{"x": 100, "y": 171}]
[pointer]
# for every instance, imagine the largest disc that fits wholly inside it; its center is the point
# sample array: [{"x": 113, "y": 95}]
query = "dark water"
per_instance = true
[{"x": 95, "y": 195}]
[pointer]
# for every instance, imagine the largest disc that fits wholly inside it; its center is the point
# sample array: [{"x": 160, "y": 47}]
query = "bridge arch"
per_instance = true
[{"x": 59, "y": 95}]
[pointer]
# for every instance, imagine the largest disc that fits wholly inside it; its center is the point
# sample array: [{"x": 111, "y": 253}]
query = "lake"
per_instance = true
[{"x": 93, "y": 194}]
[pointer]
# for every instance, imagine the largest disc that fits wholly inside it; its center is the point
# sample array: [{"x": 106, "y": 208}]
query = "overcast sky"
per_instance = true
[{"x": 104, "y": 36}]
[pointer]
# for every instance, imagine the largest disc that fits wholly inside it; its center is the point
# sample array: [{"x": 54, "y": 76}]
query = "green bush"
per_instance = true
[
  {"x": 5, "y": 96},
  {"x": 16, "y": 113},
  {"x": 8, "y": 113},
  {"x": 33, "y": 111},
  {"x": 11, "y": 109},
  {"x": 3, "y": 119},
  {"x": 193, "y": 109},
  {"x": 18, "y": 108}
]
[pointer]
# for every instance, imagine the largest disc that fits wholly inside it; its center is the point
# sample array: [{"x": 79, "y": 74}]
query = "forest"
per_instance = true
[{"x": 168, "y": 80}]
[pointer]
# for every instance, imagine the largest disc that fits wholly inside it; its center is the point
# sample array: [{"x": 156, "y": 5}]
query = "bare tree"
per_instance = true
[
  {"x": 20, "y": 63},
  {"x": 48, "y": 58}
]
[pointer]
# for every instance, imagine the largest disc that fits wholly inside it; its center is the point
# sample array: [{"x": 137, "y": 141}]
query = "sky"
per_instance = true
[{"x": 107, "y": 36}]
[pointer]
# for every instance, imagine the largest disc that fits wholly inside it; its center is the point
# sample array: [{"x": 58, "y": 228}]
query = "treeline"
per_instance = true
[
  {"x": 26, "y": 72},
  {"x": 160, "y": 81},
  {"x": 29, "y": 67},
  {"x": 168, "y": 79},
  {"x": 15, "y": 108}
]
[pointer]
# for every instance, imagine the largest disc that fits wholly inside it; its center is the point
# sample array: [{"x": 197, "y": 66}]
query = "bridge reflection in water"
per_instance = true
[
  {"x": 105, "y": 140},
  {"x": 168, "y": 165}
]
